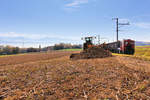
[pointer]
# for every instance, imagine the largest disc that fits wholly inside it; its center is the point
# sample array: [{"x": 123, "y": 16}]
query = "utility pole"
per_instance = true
[
  {"x": 99, "y": 39},
  {"x": 39, "y": 48},
  {"x": 117, "y": 26},
  {"x": 117, "y": 30},
  {"x": 23, "y": 44}
]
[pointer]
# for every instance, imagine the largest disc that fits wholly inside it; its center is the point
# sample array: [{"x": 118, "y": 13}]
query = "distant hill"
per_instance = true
[{"x": 140, "y": 43}]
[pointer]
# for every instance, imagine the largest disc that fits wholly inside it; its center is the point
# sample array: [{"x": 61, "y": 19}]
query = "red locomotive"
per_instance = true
[{"x": 126, "y": 46}]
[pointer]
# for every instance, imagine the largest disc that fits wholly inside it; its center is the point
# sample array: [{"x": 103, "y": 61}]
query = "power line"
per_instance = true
[{"x": 117, "y": 26}]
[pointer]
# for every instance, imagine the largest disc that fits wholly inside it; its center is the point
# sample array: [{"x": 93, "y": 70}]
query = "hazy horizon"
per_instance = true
[{"x": 46, "y": 22}]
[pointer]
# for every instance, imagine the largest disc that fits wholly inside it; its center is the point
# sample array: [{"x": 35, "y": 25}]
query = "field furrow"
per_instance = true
[{"x": 60, "y": 78}]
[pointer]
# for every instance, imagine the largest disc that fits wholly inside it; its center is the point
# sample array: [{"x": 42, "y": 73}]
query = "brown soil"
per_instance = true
[
  {"x": 32, "y": 57},
  {"x": 111, "y": 78}
]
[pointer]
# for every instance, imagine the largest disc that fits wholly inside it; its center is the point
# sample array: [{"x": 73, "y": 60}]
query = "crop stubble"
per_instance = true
[{"x": 56, "y": 77}]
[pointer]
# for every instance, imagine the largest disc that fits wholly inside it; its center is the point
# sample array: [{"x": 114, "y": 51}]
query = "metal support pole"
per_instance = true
[
  {"x": 99, "y": 39},
  {"x": 117, "y": 30}
]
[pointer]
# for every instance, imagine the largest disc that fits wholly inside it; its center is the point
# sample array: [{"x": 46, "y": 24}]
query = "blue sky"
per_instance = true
[{"x": 47, "y": 22}]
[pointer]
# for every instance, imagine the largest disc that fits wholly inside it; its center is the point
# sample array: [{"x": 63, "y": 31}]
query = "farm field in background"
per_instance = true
[
  {"x": 143, "y": 51},
  {"x": 31, "y": 57},
  {"x": 71, "y": 50}
]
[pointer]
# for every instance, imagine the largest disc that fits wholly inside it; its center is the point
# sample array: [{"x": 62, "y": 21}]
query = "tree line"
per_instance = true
[
  {"x": 7, "y": 50},
  {"x": 66, "y": 46}
]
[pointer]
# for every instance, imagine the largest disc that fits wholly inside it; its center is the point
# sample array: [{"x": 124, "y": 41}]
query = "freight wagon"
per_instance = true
[{"x": 125, "y": 47}]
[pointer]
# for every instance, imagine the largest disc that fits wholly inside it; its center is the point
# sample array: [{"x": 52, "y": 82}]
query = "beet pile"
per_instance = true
[{"x": 93, "y": 52}]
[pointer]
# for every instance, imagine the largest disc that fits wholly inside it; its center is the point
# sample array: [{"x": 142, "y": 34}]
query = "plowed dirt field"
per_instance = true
[{"x": 53, "y": 76}]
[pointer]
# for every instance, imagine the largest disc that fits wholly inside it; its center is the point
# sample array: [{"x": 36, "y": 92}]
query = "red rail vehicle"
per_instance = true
[{"x": 126, "y": 46}]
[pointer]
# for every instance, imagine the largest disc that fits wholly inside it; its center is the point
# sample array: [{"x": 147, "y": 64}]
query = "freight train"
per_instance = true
[{"x": 125, "y": 47}]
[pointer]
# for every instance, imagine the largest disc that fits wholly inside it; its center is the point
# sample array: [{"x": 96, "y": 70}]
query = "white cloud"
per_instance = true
[
  {"x": 33, "y": 40},
  {"x": 36, "y": 36},
  {"x": 76, "y": 3},
  {"x": 145, "y": 25}
]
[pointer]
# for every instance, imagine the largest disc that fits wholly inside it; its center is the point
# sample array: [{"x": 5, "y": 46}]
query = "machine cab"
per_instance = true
[{"x": 88, "y": 42}]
